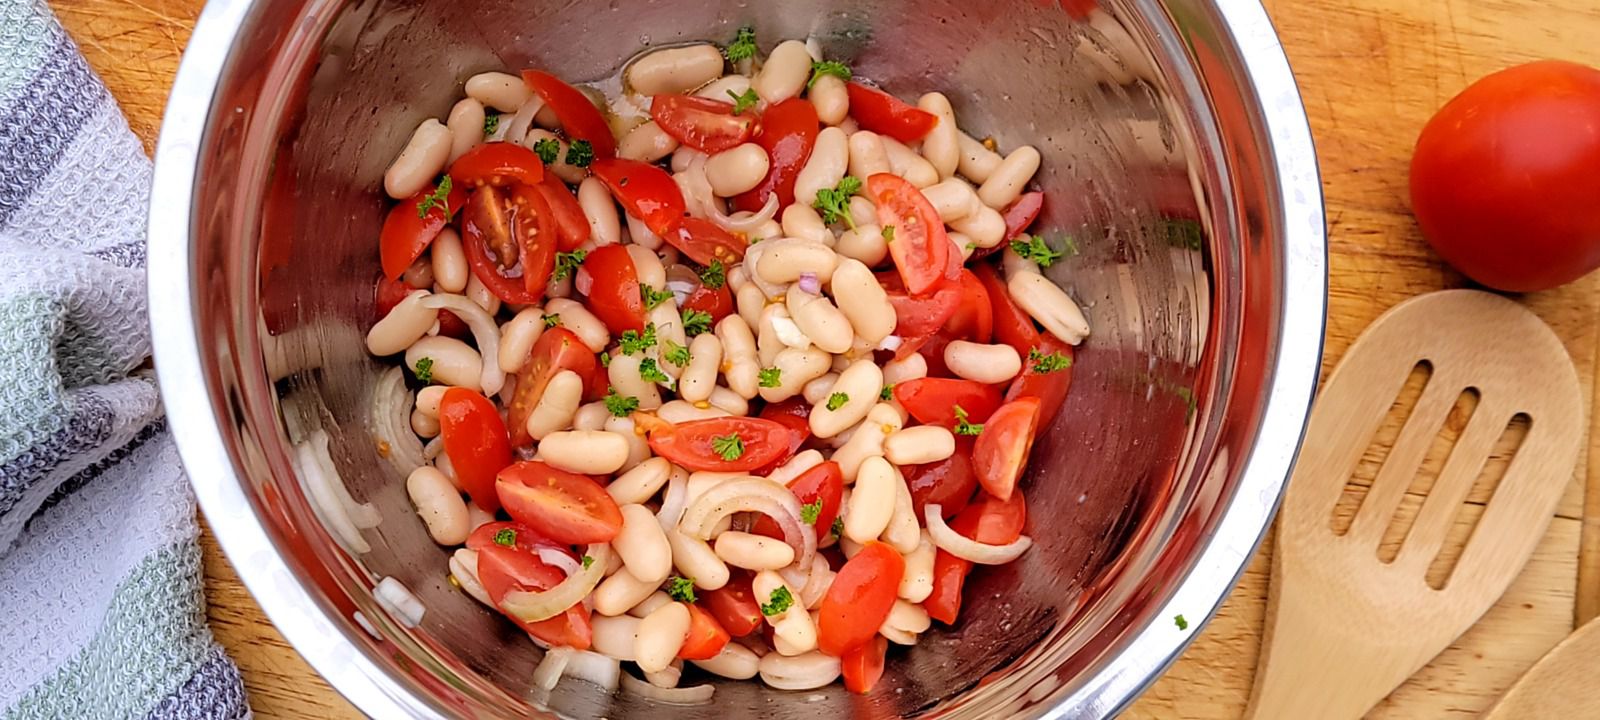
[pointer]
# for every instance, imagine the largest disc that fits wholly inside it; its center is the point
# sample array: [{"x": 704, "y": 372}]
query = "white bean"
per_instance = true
[
  {"x": 864, "y": 243},
  {"x": 953, "y": 199},
  {"x": 405, "y": 324},
  {"x": 680, "y": 411},
  {"x": 737, "y": 169},
  {"x": 638, "y": 446},
  {"x": 648, "y": 269},
  {"x": 867, "y": 439},
  {"x": 642, "y": 544},
  {"x": 916, "y": 584},
  {"x": 650, "y": 604},
  {"x": 419, "y": 276},
  {"x": 729, "y": 401},
  {"x": 801, "y": 222},
  {"x": 449, "y": 261},
  {"x": 695, "y": 559},
  {"x": 464, "y": 568},
  {"x": 673, "y": 71},
  {"x": 477, "y": 517},
  {"x": 860, "y": 384},
  {"x": 705, "y": 359},
  {"x": 862, "y": 300},
  {"x": 724, "y": 88},
  {"x": 621, "y": 591},
  {"x": 919, "y": 445},
  {"x": 977, "y": 161},
  {"x": 795, "y": 369},
  {"x": 830, "y": 157},
  {"x": 986, "y": 364},
  {"x": 423, "y": 425},
  {"x": 518, "y": 336},
  {"x": 577, "y": 318},
  {"x": 614, "y": 635},
  {"x": 829, "y": 97},
  {"x": 442, "y": 462},
  {"x": 482, "y": 296},
  {"x": 735, "y": 662},
  {"x": 784, "y": 74},
  {"x": 871, "y": 501},
  {"x": 750, "y": 301},
  {"x": 641, "y": 483},
  {"x": 986, "y": 228},
  {"x": 440, "y": 506},
  {"x": 784, "y": 261},
  {"x": 455, "y": 363},
  {"x": 739, "y": 353},
  {"x": 1009, "y": 178},
  {"x": 501, "y": 91},
  {"x": 942, "y": 145},
  {"x": 466, "y": 127},
  {"x": 623, "y": 374},
  {"x": 1050, "y": 305},
  {"x": 753, "y": 552},
  {"x": 905, "y": 527},
  {"x": 862, "y": 211},
  {"x": 557, "y": 406},
  {"x": 646, "y": 143},
  {"x": 905, "y": 622},
  {"x": 965, "y": 244},
  {"x": 817, "y": 391},
  {"x": 422, "y": 159},
  {"x": 589, "y": 452},
  {"x": 906, "y": 163},
  {"x": 605, "y": 227},
  {"x": 793, "y": 631},
  {"x": 797, "y": 466},
  {"x": 591, "y": 416},
  {"x": 867, "y": 155},
  {"x": 911, "y": 367},
  {"x": 800, "y": 672},
  {"x": 823, "y": 323}
]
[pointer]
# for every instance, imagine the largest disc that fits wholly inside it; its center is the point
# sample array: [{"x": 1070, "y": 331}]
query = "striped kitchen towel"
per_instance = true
[{"x": 102, "y": 613}]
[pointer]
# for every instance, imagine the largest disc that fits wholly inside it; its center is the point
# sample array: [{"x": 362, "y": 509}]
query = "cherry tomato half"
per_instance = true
[
  {"x": 932, "y": 401},
  {"x": 522, "y": 537},
  {"x": 948, "y": 483},
  {"x": 1012, "y": 325},
  {"x": 1049, "y": 387},
  {"x": 885, "y": 114},
  {"x": 714, "y": 301},
  {"x": 704, "y": 241},
  {"x": 1002, "y": 448},
  {"x": 986, "y": 520},
  {"x": 921, "y": 249},
  {"x": 486, "y": 226},
  {"x": 860, "y": 598},
  {"x": 825, "y": 482},
  {"x": 614, "y": 289},
  {"x": 407, "y": 230},
  {"x": 565, "y": 507},
  {"x": 502, "y": 570},
  {"x": 580, "y": 119},
  {"x": 645, "y": 191},
  {"x": 533, "y": 224},
  {"x": 497, "y": 163},
  {"x": 725, "y": 444},
  {"x": 794, "y": 414},
  {"x": 973, "y": 318},
  {"x": 1019, "y": 215},
  {"x": 788, "y": 131},
  {"x": 706, "y": 637},
  {"x": 863, "y": 666},
  {"x": 701, "y": 123},
  {"x": 734, "y": 605},
  {"x": 475, "y": 440},
  {"x": 572, "y": 227},
  {"x": 556, "y": 349}
]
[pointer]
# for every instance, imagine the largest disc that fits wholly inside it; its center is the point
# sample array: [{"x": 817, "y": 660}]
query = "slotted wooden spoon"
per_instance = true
[
  {"x": 1343, "y": 628},
  {"x": 1561, "y": 685}
]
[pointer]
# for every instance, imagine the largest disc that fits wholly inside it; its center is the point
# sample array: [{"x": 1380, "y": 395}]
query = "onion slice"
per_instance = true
[
  {"x": 484, "y": 332},
  {"x": 594, "y": 667},
  {"x": 753, "y": 494},
  {"x": 809, "y": 282},
  {"x": 950, "y": 541},
  {"x": 677, "y": 696},
  {"x": 391, "y": 421},
  {"x": 676, "y": 499},
  {"x": 746, "y": 223},
  {"x": 531, "y": 607},
  {"x": 325, "y": 501},
  {"x": 560, "y": 560},
  {"x": 551, "y": 667}
]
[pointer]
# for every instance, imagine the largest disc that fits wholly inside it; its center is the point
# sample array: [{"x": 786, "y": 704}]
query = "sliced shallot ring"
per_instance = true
[
  {"x": 675, "y": 501},
  {"x": 391, "y": 421},
  {"x": 531, "y": 607},
  {"x": 961, "y": 546},
  {"x": 484, "y": 331},
  {"x": 753, "y": 494},
  {"x": 699, "y": 694},
  {"x": 551, "y": 667},
  {"x": 749, "y": 223},
  {"x": 560, "y": 561}
]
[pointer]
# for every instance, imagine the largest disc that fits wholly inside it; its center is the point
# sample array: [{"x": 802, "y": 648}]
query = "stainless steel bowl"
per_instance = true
[{"x": 1157, "y": 120}]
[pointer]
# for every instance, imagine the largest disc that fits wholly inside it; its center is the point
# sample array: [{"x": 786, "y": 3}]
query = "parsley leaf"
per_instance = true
[
  {"x": 744, "y": 102},
  {"x": 438, "y": 199},
  {"x": 888, "y": 393},
  {"x": 1043, "y": 363},
  {"x": 650, "y": 373},
  {"x": 491, "y": 123},
  {"x": 743, "y": 46},
  {"x": 588, "y": 560},
  {"x": 696, "y": 322},
  {"x": 834, "y": 202},
  {"x": 567, "y": 263},
  {"x": 1033, "y": 247},
  {"x": 605, "y": 359},
  {"x": 681, "y": 589},
  {"x": 506, "y": 537},
  {"x": 424, "y": 370},
  {"x": 837, "y": 400},
  {"x": 714, "y": 276},
  {"x": 730, "y": 447},
  {"x": 888, "y": 234},
  {"x": 780, "y": 601},
  {"x": 770, "y": 377},
  {"x": 962, "y": 426},
  {"x": 676, "y": 354},
  {"x": 1180, "y": 622},
  {"x": 551, "y": 321},
  {"x": 810, "y": 511},
  {"x": 653, "y": 297},
  {"x": 580, "y": 153},
  {"x": 632, "y": 342},
  {"x": 620, "y": 405},
  {"x": 838, "y": 527},
  {"x": 547, "y": 150},
  {"x": 828, "y": 67}
]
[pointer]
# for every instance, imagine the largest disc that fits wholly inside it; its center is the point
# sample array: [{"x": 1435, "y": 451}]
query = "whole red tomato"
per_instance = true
[{"x": 1504, "y": 181}]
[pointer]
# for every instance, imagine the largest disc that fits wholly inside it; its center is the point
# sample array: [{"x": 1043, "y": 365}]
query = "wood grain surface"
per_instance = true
[{"x": 1371, "y": 73}]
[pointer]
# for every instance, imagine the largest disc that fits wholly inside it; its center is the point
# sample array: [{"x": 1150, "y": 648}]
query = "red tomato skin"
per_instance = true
[
  {"x": 859, "y": 599},
  {"x": 534, "y": 227},
  {"x": 716, "y": 302},
  {"x": 497, "y": 163},
  {"x": 571, "y": 226},
  {"x": 986, "y": 520},
  {"x": 1503, "y": 179},
  {"x": 647, "y": 192},
  {"x": 502, "y": 570},
  {"x": 1012, "y": 325},
  {"x": 580, "y": 119},
  {"x": 565, "y": 507},
  {"x": 794, "y": 414},
  {"x": 1019, "y": 215},
  {"x": 703, "y": 241},
  {"x": 824, "y": 482},
  {"x": 949, "y": 575},
  {"x": 706, "y": 635},
  {"x": 483, "y": 219},
  {"x": 932, "y": 401},
  {"x": 788, "y": 132},
  {"x": 405, "y": 234},
  {"x": 734, "y": 605},
  {"x": 948, "y": 483},
  {"x": 556, "y": 350},
  {"x": 614, "y": 294},
  {"x": 526, "y": 537},
  {"x": 701, "y": 123},
  {"x": 689, "y": 444},
  {"x": 863, "y": 666},
  {"x": 1051, "y": 387},
  {"x": 886, "y": 114},
  {"x": 1001, "y": 452},
  {"x": 919, "y": 318},
  {"x": 973, "y": 319},
  {"x": 921, "y": 248},
  {"x": 476, "y": 442}
]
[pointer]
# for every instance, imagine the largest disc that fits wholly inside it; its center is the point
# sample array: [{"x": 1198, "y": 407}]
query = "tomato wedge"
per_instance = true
[
  {"x": 885, "y": 114},
  {"x": 744, "y": 443},
  {"x": 714, "y": 301},
  {"x": 859, "y": 599},
  {"x": 921, "y": 249},
  {"x": 408, "y": 230},
  {"x": 563, "y": 506},
  {"x": 788, "y": 132},
  {"x": 918, "y": 319},
  {"x": 645, "y": 191},
  {"x": 701, "y": 123},
  {"x": 497, "y": 163},
  {"x": 486, "y": 226},
  {"x": 557, "y": 349},
  {"x": 1049, "y": 387},
  {"x": 502, "y": 570},
  {"x": 793, "y": 414},
  {"x": 986, "y": 520},
  {"x": 948, "y": 483},
  {"x": 1012, "y": 325},
  {"x": 932, "y": 401},
  {"x": 1002, "y": 448},
  {"x": 706, "y": 637},
  {"x": 973, "y": 318},
  {"x": 475, "y": 441},
  {"x": 734, "y": 605},
  {"x": 533, "y": 224},
  {"x": 580, "y": 119},
  {"x": 704, "y": 241},
  {"x": 863, "y": 666},
  {"x": 1020, "y": 214},
  {"x": 824, "y": 483},
  {"x": 522, "y": 538},
  {"x": 572, "y": 227},
  {"x": 614, "y": 289}
]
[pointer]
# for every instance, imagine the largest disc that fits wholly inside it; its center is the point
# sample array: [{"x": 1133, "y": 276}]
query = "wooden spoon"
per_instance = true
[
  {"x": 1344, "y": 628},
  {"x": 1560, "y": 685}
]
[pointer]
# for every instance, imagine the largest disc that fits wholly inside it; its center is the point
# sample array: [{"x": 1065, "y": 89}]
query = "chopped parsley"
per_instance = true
[
  {"x": 1033, "y": 247},
  {"x": 837, "y": 400},
  {"x": 696, "y": 322},
  {"x": 810, "y": 511},
  {"x": 567, "y": 263},
  {"x": 438, "y": 199},
  {"x": 676, "y": 354},
  {"x": 620, "y": 405},
  {"x": 650, "y": 373},
  {"x": 424, "y": 370},
  {"x": 551, "y": 321},
  {"x": 1180, "y": 622},
  {"x": 743, "y": 46},
  {"x": 730, "y": 447},
  {"x": 744, "y": 102},
  {"x": 491, "y": 124},
  {"x": 580, "y": 153},
  {"x": 632, "y": 342},
  {"x": 834, "y": 202},
  {"x": 828, "y": 67},
  {"x": 506, "y": 537},
  {"x": 780, "y": 601},
  {"x": 838, "y": 527},
  {"x": 653, "y": 297},
  {"x": 962, "y": 426},
  {"x": 1043, "y": 363},
  {"x": 547, "y": 150},
  {"x": 681, "y": 589},
  {"x": 888, "y": 393},
  {"x": 770, "y": 377},
  {"x": 888, "y": 233},
  {"x": 714, "y": 276},
  {"x": 588, "y": 560}
]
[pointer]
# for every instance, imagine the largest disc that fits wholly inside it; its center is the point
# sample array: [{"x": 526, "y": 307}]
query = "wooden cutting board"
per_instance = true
[{"x": 1371, "y": 72}]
